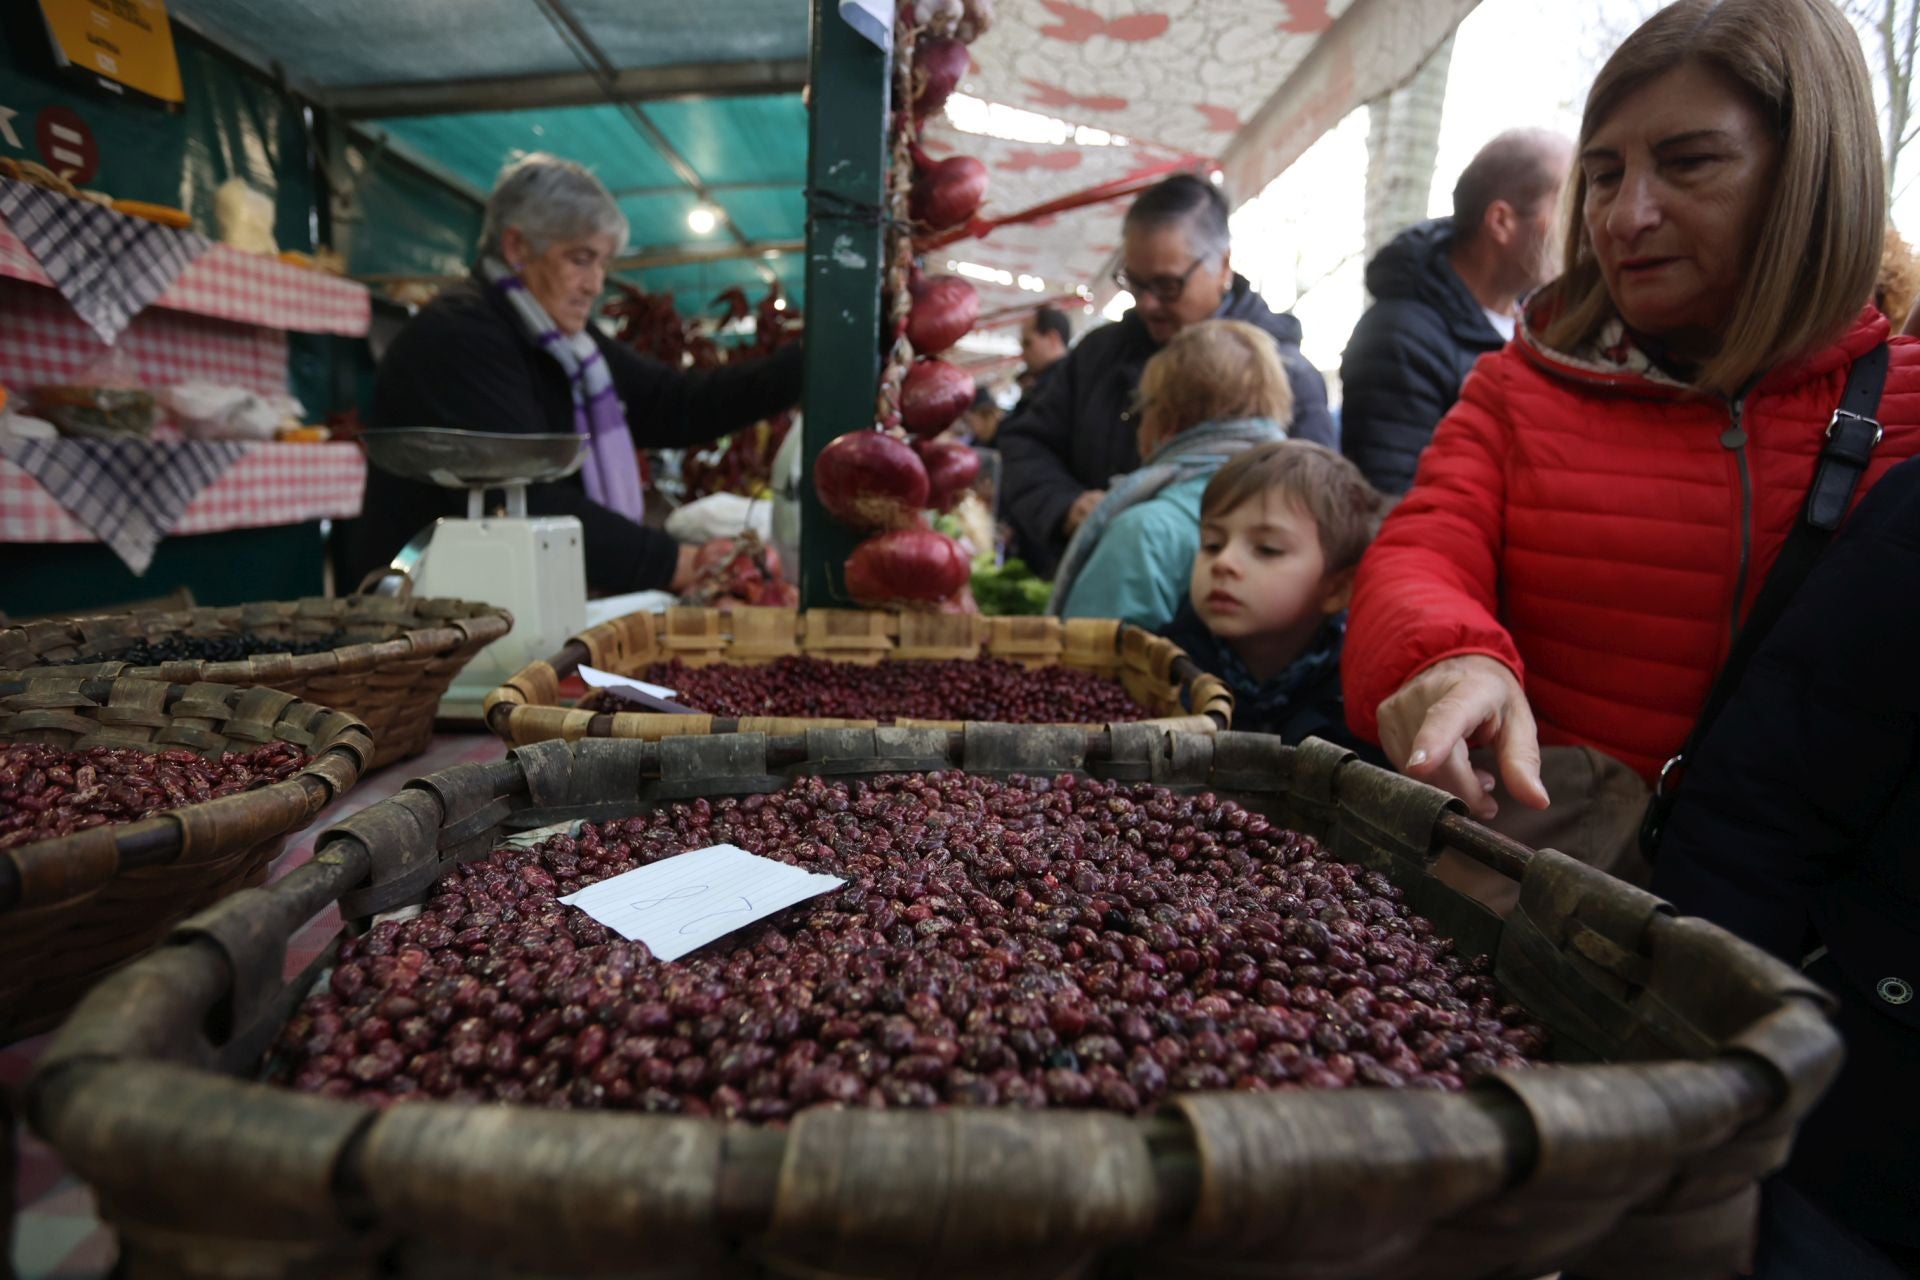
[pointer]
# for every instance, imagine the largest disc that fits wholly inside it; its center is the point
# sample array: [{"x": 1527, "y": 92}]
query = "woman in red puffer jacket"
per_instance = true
[{"x": 1594, "y": 518}]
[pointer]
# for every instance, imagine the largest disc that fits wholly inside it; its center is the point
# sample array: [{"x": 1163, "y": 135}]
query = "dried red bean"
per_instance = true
[
  {"x": 47, "y": 792},
  {"x": 955, "y": 689},
  {"x": 990, "y": 948}
]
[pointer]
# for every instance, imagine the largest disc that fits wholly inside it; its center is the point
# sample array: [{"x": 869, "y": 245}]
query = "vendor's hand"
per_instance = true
[
  {"x": 1082, "y": 508},
  {"x": 685, "y": 570},
  {"x": 1457, "y": 703}
]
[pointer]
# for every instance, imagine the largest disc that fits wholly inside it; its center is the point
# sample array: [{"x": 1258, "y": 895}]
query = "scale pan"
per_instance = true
[{"x": 470, "y": 459}]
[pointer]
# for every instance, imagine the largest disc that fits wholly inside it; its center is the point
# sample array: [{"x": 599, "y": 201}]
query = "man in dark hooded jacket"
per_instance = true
[
  {"x": 1445, "y": 293},
  {"x": 1066, "y": 441}
]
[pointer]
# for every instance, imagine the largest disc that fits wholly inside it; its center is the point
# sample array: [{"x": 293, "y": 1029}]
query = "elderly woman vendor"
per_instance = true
[{"x": 512, "y": 349}]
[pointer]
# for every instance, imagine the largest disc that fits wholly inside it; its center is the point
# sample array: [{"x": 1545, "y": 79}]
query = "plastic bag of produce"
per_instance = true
[{"x": 720, "y": 515}]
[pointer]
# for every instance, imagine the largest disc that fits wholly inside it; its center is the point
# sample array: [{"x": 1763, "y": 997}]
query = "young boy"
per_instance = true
[{"x": 1282, "y": 527}]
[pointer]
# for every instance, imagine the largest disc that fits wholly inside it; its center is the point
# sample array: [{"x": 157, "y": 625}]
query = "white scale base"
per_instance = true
[{"x": 532, "y": 565}]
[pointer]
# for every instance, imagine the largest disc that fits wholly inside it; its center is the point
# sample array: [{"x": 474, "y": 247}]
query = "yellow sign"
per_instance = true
[{"x": 127, "y": 41}]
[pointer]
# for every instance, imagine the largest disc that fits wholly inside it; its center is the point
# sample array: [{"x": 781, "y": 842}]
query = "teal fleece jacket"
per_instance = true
[{"x": 1138, "y": 573}]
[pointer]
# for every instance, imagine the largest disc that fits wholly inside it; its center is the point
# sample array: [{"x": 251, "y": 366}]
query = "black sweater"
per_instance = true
[
  {"x": 1798, "y": 822},
  {"x": 465, "y": 362},
  {"x": 1409, "y": 354},
  {"x": 1077, "y": 431}
]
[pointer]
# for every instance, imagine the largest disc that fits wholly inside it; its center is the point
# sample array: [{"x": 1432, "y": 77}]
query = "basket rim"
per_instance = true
[
  {"x": 84, "y": 1095},
  {"x": 481, "y": 624},
  {"x": 335, "y": 764},
  {"x": 509, "y": 704}
]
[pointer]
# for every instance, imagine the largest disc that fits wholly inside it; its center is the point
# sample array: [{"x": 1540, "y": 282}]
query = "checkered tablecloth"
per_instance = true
[
  {"x": 108, "y": 266},
  {"x": 245, "y": 288},
  {"x": 43, "y": 343},
  {"x": 271, "y": 484}
]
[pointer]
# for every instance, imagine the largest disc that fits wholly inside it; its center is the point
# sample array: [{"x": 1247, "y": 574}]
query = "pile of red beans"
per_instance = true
[
  {"x": 47, "y": 792},
  {"x": 956, "y": 689},
  {"x": 1027, "y": 942}
]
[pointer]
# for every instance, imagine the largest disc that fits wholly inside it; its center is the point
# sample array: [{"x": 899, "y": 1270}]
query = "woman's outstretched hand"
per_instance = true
[{"x": 1429, "y": 723}]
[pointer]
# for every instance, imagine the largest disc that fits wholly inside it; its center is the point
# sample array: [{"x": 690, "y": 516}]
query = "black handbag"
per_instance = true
[{"x": 1850, "y": 440}]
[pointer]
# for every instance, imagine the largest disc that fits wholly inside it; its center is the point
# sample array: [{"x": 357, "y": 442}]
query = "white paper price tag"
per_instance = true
[
  {"x": 599, "y": 679},
  {"x": 681, "y": 903}
]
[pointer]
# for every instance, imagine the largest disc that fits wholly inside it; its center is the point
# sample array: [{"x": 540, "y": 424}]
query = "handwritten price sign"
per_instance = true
[{"x": 682, "y": 903}]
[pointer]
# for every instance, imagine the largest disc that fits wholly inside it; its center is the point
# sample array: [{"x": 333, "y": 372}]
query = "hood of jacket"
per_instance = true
[
  {"x": 1613, "y": 361},
  {"x": 1240, "y": 303},
  {"x": 1415, "y": 266}
]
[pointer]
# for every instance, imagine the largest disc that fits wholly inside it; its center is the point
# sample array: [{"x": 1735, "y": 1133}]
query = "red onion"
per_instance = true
[
  {"x": 870, "y": 480},
  {"x": 944, "y": 308},
  {"x": 976, "y": 20},
  {"x": 946, "y": 192},
  {"x": 939, "y": 16},
  {"x": 938, "y": 65},
  {"x": 951, "y": 468},
  {"x": 934, "y": 394},
  {"x": 906, "y": 565}
]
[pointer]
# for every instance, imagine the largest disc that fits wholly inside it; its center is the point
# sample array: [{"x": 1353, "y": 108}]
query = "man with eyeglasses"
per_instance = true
[{"x": 1064, "y": 443}]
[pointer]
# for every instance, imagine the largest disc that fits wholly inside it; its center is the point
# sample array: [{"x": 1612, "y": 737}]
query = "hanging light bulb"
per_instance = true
[{"x": 702, "y": 219}]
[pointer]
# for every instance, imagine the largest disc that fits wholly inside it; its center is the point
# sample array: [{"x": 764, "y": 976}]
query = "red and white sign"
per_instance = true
[{"x": 66, "y": 144}]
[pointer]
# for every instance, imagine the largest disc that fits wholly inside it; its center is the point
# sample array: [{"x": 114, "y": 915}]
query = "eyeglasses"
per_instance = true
[{"x": 1165, "y": 288}]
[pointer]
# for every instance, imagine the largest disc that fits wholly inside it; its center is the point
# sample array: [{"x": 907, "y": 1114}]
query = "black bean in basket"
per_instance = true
[{"x": 227, "y": 648}]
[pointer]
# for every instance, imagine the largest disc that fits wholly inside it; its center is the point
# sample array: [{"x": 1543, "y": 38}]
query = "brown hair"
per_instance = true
[
  {"x": 1212, "y": 370},
  {"x": 1818, "y": 249},
  {"x": 1345, "y": 508}
]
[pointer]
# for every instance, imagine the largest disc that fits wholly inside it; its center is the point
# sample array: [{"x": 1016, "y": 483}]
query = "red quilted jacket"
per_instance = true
[{"x": 1602, "y": 530}]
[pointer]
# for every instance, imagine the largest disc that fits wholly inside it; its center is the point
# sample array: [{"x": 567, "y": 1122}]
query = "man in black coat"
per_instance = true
[
  {"x": 1798, "y": 827},
  {"x": 1445, "y": 293},
  {"x": 1063, "y": 444},
  {"x": 1045, "y": 339}
]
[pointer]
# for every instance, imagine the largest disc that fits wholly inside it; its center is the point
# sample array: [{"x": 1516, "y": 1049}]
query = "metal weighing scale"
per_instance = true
[{"x": 533, "y": 565}]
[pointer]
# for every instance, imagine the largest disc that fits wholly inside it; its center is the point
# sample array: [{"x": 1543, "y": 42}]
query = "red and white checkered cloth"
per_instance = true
[
  {"x": 273, "y": 484},
  {"x": 43, "y": 343},
  {"x": 243, "y": 287}
]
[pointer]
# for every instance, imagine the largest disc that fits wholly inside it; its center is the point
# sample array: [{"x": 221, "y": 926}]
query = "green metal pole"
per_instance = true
[{"x": 848, "y": 82}]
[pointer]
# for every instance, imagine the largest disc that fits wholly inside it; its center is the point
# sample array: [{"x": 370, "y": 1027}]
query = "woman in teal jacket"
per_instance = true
[{"x": 1214, "y": 391}]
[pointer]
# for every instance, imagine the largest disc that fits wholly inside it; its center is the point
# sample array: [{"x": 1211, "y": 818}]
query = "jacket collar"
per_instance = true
[
  {"x": 1239, "y": 302},
  {"x": 1615, "y": 362},
  {"x": 1417, "y": 265}
]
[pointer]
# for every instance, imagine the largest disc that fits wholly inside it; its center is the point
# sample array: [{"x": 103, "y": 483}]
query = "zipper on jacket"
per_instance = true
[{"x": 1734, "y": 438}]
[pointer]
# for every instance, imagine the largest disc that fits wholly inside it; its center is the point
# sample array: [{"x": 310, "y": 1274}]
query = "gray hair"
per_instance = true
[
  {"x": 1191, "y": 203},
  {"x": 550, "y": 199}
]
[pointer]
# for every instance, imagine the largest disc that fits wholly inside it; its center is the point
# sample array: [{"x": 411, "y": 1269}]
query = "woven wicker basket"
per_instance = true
[
  {"x": 1644, "y": 1167},
  {"x": 74, "y": 907},
  {"x": 1155, "y": 671},
  {"x": 390, "y": 669}
]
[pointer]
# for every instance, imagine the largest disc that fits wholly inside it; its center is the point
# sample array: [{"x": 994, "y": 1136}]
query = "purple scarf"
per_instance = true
[{"x": 612, "y": 469}]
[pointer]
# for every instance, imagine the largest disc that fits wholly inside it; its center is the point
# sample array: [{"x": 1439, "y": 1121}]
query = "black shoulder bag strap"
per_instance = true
[{"x": 1850, "y": 441}]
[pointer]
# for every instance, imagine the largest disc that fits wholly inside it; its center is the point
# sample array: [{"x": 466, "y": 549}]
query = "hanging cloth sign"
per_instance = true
[{"x": 126, "y": 42}]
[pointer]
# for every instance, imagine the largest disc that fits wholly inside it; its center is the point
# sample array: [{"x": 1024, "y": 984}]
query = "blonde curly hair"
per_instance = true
[
  {"x": 1899, "y": 280},
  {"x": 1209, "y": 371}
]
